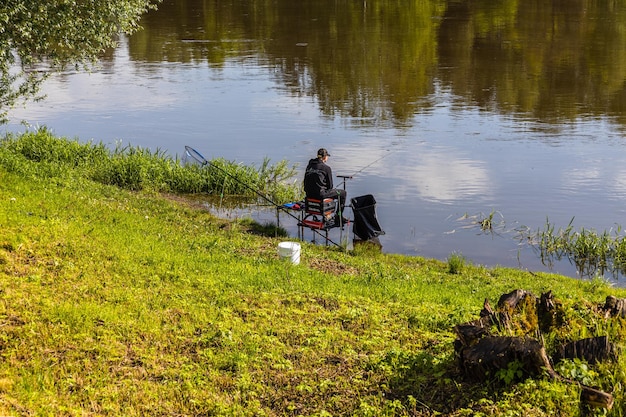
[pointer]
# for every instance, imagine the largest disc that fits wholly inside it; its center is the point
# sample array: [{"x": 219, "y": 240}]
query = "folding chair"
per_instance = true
[{"x": 319, "y": 215}]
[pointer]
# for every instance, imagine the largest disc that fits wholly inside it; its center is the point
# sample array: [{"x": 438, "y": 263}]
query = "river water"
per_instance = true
[{"x": 447, "y": 112}]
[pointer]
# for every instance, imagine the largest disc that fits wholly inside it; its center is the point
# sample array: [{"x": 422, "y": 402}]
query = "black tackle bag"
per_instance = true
[{"x": 365, "y": 225}]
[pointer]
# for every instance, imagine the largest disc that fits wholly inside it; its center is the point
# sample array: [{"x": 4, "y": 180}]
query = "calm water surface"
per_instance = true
[{"x": 441, "y": 110}]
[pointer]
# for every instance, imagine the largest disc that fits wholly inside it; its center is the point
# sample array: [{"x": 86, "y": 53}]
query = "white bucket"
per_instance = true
[{"x": 289, "y": 250}]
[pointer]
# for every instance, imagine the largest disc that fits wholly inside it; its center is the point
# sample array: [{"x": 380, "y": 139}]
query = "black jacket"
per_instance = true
[{"x": 318, "y": 178}]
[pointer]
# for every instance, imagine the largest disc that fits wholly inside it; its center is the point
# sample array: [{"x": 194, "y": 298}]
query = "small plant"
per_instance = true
[
  {"x": 512, "y": 373},
  {"x": 492, "y": 223},
  {"x": 456, "y": 263},
  {"x": 577, "y": 370}
]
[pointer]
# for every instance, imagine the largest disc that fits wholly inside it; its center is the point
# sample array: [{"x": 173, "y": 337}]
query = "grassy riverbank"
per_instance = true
[{"x": 123, "y": 301}]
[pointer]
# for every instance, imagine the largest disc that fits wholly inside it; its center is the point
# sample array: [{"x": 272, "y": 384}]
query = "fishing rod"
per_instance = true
[{"x": 192, "y": 153}]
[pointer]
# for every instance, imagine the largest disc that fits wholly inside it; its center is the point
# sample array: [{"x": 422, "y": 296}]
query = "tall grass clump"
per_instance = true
[
  {"x": 456, "y": 263},
  {"x": 135, "y": 168},
  {"x": 593, "y": 253}
]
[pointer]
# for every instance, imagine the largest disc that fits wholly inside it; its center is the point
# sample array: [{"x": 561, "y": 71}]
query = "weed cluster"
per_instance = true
[{"x": 594, "y": 254}]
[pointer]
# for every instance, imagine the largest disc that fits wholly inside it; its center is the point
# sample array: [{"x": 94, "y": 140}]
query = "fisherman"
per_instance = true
[{"x": 318, "y": 183}]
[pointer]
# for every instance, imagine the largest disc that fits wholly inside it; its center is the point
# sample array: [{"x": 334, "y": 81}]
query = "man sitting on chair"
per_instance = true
[{"x": 318, "y": 183}]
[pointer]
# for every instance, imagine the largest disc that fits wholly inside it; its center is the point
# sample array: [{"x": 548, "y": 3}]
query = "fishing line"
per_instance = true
[
  {"x": 349, "y": 177},
  {"x": 373, "y": 162},
  {"x": 192, "y": 153}
]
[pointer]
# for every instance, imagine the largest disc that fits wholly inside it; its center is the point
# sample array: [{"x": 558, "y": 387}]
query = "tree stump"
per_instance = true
[
  {"x": 596, "y": 398},
  {"x": 549, "y": 312},
  {"x": 592, "y": 350},
  {"x": 615, "y": 307},
  {"x": 482, "y": 355},
  {"x": 511, "y": 300},
  {"x": 490, "y": 354}
]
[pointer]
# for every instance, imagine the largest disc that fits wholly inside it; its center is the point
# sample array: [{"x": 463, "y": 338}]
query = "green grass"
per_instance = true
[
  {"x": 136, "y": 168},
  {"x": 117, "y": 300}
]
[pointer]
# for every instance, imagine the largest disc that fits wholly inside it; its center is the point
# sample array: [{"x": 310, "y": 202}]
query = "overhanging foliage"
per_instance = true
[{"x": 39, "y": 36}]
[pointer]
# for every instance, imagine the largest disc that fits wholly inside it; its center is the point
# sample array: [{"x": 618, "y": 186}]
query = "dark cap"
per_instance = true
[{"x": 322, "y": 152}]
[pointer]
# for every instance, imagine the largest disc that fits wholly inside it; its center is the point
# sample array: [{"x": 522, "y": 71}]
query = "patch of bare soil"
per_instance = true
[{"x": 331, "y": 266}]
